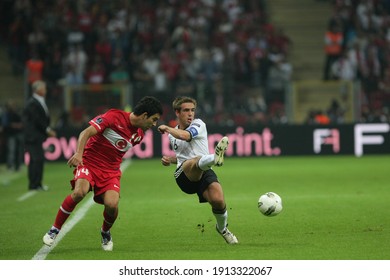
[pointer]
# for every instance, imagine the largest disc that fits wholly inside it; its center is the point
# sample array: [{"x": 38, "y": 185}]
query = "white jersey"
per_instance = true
[{"x": 197, "y": 146}]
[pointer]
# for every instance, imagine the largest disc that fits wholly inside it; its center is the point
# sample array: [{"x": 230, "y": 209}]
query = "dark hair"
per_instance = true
[{"x": 148, "y": 104}]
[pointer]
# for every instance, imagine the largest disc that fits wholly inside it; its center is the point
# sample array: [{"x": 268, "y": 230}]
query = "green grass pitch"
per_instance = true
[{"x": 335, "y": 208}]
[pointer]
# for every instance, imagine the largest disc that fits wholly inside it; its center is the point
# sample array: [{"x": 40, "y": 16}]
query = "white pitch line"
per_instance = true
[
  {"x": 10, "y": 177},
  {"x": 26, "y": 195},
  {"x": 74, "y": 219},
  {"x": 45, "y": 250}
]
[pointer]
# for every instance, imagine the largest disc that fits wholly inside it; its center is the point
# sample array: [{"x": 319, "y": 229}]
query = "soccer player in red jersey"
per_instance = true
[{"x": 100, "y": 149}]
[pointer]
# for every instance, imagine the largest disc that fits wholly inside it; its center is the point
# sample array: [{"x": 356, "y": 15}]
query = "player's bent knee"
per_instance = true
[
  {"x": 218, "y": 204},
  {"x": 111, "y": 199},
  {"x": 78, "y": 195},
  {"x": 113, "y": 205}
]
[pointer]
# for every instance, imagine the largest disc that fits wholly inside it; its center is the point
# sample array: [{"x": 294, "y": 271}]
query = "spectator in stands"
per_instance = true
[
  {"x": 145, "y": 30},
  {"x": 277, "y": 83},
  {"x": 119, "y": 75},
  {"x": 96, "y": 72},
  {"x": 257, "y": 46},
  {"x": 241, "y": 65},
  {"x": 76, "y": 62},
  {"x": 117, "y": 59},
  {"x": 343, "y": 69},
  {"x": 170, "y": 65},
  {"x": 140, "y": 73},
  {"x": 257, "y": 108},
  {"x": 317, "y": 117},
  {"x": 281, "y": 41},
  {"x": 161, "y": 88},
  {"x": 374, "y": 66},
  {"x": 17, "y": 49},
  {"x": 232, "y": 8},
  {"x": 190, "y": 65},
  {"x": 381, "y": 115},
  {"x": 274, "y": 54},
  {"x": 72, "y": 78},
  {"x": 104, "y": 50},
  {"x": 209, "y": 71},
  {"x": 365, "y": 14},
  {"x": 34, "y": 68},
  {"x": 183, "y": 33},
  {"x": 357, "y": 56},
  {"x": 150, "y": 63},
  {"x": 37, "y": 40},
  {"x": 53, "y": 62},
  {"x": 75, "y": 36},
  {"x": 85, "y": 25},
  {"x": 184, "y": 86},
  {"x": 334, "y": 40},
  {"x": 142, "y": 80},
  {"x": 336, "y": 113},
  {"x": 321, "y": 117}
]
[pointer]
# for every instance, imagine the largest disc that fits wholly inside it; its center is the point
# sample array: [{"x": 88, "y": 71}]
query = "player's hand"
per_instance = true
[
  {"x": 75, "y": 160},
  {"x": 162, "y": 128},
  {"x": 166, "y": 161}
]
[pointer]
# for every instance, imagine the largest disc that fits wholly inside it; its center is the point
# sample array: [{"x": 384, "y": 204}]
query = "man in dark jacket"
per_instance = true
[
  {"x": 13, "y": 130},
  {"x": 36, "y": 129}
]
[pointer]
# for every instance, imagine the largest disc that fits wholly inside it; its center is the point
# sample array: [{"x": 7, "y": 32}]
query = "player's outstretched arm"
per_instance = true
[{"x": 175, "y": 132}]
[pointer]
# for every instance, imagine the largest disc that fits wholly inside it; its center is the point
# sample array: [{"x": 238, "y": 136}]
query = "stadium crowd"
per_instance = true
[
  {"x": 361, "y": 29},
  {"x": 225, "y": 53}
]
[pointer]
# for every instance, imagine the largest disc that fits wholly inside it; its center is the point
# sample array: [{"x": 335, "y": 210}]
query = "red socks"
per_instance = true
[
  {"x": 64, "y": 212},
  {"x": 108, "y": 220},
  {"x": 67, "y": 208}
]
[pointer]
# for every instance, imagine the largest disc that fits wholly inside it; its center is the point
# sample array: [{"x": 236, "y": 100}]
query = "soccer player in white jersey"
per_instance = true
[
  {"x": 194, "y": 173},
  {"x": 100, "y": 149}
]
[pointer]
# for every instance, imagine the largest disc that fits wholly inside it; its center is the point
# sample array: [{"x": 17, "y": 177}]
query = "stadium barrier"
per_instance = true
[{"x": 267, "y": 141}]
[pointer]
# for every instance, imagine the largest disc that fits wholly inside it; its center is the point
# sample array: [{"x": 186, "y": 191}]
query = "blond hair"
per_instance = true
[{"x": 176, "y": 104}]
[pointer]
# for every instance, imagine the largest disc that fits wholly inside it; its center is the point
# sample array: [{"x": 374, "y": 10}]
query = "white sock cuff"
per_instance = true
[
  {"x": 205, "y": 162},
  {"x": 221, "y": 220}
]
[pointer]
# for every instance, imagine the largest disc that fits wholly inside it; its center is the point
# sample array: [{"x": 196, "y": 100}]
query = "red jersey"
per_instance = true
[{"x": 116, "y": 135}]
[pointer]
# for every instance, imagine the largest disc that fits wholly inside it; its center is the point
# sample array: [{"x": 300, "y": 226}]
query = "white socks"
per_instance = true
[
  {"x": 206, "y": 162},
  {"x": 221, "y": 220}
]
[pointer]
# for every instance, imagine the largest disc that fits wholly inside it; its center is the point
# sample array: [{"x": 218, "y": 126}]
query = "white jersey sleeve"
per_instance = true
[{"x": 197, "y": 146}]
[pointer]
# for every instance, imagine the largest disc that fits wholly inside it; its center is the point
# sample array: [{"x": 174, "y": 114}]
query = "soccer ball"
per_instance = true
[{"x": 270, "y": 204}]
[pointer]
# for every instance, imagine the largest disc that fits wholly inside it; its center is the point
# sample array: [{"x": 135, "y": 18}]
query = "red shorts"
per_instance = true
[{"x": 99, "y": 180}]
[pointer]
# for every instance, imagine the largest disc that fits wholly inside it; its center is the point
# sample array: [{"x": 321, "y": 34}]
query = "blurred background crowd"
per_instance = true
[
  {"x": 363, "y": 55},
  {"x": 221, "y": 52},
  {"x": 226, "y": 53}
]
